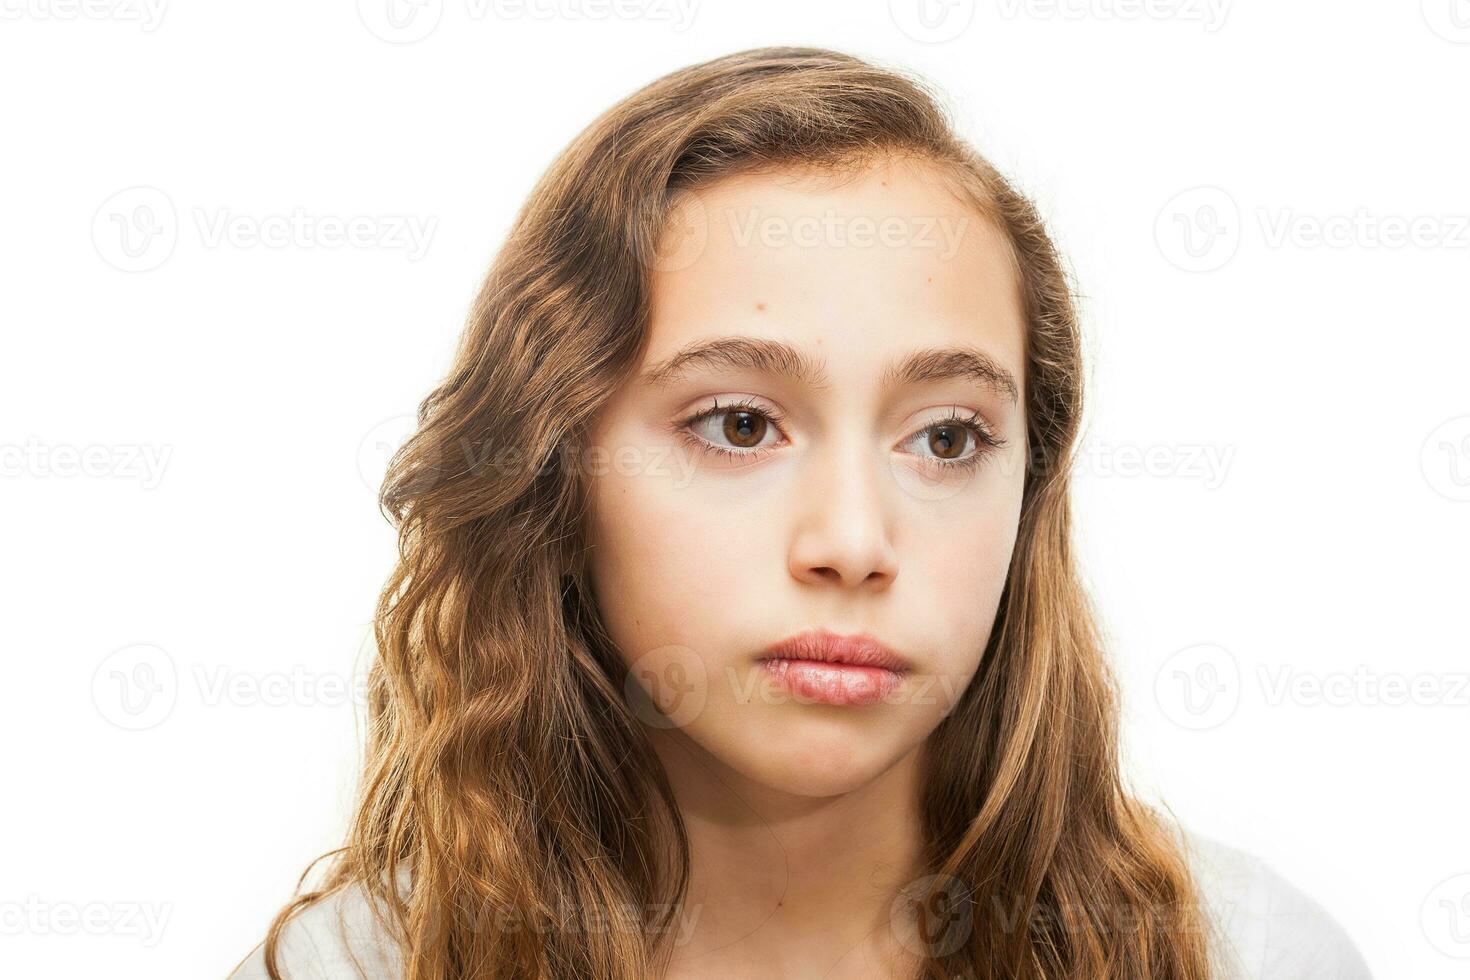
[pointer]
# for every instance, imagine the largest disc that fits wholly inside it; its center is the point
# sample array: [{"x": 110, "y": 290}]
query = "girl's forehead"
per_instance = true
[
  {"x": 856, "y": 267},
  {"x": 885, "y": 187}
]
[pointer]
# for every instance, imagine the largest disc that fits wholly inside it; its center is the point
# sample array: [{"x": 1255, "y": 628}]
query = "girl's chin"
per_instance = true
[{"x": 799, "y": 770}]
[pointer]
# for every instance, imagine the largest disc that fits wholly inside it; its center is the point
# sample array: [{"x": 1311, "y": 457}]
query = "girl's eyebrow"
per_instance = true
[{"x": 922, "y": 366}]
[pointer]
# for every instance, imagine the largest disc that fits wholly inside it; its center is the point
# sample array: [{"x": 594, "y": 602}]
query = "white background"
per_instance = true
[{"x": 1274, "y": 509}]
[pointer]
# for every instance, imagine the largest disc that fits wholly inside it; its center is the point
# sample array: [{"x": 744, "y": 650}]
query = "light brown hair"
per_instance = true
[{"x": 504, "y": 767}]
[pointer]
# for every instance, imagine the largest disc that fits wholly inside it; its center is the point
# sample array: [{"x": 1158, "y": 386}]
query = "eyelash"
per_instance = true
[{"x": 986, "y": 441}]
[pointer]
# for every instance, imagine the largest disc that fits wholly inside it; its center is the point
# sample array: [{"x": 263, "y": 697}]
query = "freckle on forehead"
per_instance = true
[{"x": 761, "y": 307}]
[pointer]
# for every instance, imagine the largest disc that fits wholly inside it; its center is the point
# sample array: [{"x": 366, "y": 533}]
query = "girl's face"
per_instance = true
[{"x": 827, "y": 433}]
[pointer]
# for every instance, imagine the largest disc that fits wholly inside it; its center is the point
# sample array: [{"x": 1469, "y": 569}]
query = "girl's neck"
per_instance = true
[{"x": 787, "y": 885}]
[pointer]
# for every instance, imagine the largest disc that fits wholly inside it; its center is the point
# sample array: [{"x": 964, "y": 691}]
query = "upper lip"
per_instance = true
[{"x": 858, "y": 649}]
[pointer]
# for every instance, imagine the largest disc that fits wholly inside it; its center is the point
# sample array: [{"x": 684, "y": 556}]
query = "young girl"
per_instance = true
[{"x": 737, "y": 630}]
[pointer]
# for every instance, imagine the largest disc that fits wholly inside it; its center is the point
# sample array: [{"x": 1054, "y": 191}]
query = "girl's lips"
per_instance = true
[
  {"x": 823, "y": 645},
  {"x": 833, "y": 683}
]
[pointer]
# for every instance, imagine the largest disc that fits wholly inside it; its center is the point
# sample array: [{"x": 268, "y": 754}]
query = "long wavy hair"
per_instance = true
[{"x": 507, "y": 780}]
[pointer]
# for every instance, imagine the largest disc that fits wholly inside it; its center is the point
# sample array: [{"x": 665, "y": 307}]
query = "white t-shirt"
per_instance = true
[{"x": 1265, "y": 929}]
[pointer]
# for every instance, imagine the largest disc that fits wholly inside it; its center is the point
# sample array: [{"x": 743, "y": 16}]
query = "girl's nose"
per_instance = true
[{"x": 842, "y": 533}]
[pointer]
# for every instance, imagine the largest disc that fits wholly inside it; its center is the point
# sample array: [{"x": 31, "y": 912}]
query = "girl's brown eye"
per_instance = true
[
  {"x": 744, "y": 429},
  {"x": 948, "y": 441}
]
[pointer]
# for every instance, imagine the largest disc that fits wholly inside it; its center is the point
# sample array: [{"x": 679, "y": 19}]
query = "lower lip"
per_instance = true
[{"x": 820, "y": 682}]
